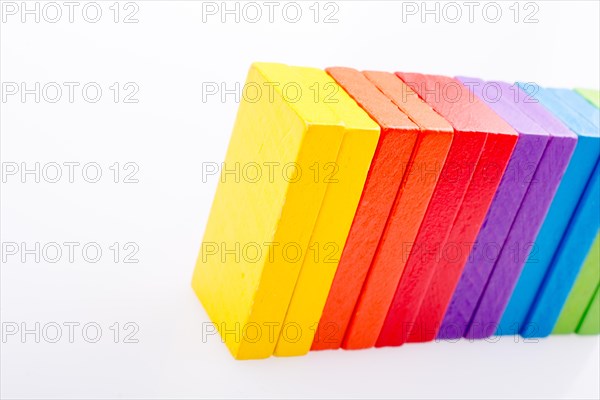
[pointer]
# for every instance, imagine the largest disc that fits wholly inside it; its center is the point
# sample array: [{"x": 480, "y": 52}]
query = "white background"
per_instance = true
[{"x": 169, "y": 133}]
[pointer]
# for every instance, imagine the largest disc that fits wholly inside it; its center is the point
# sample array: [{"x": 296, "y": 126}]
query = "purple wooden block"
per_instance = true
[
  {"x": 516, "y": 303},
  {"x": 501, "y": 214},
  {"x": 529, "y": 219}
]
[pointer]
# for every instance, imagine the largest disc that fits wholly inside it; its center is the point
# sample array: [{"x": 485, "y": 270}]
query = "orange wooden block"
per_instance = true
[
  {"x": 407, "y": 212},
  {"x": 396, "y": 142}
]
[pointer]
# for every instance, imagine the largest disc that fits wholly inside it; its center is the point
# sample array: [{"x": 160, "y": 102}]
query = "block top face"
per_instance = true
[
  {"x": 408, "y": 101},
  {"x": 283, "y": 81},
  {"x": 364, "y": 92},
  {"x": 593, "y": 96},
  {"x": 533, "y": 110},
  {"x": 456, "y": 103},
  {"x": 502, "y": 101},
  {"x": 327, "y": 92},
  {"x": 579, "y": 104},
  {"x": 552, "y": 102}
]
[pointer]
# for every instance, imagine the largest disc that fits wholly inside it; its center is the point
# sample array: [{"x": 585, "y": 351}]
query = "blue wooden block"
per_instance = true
[
  {"x": 569, "y": 229},
  {"x": 568, "y": 260},
  {"x": 579, "y": 104}
]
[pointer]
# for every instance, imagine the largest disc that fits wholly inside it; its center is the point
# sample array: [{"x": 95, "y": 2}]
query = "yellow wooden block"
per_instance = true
[
  {"x": 260, "y": 224},
  {"x": 335, "y": 217}
]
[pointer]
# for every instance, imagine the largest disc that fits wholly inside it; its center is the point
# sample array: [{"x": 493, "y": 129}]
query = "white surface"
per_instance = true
[{"x": 169, "y": 133}]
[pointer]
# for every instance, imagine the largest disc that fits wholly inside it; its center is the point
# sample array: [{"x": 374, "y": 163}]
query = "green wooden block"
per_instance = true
[
  {"x": 575, "y": 308},
  {"x": 591, "y": 322}
]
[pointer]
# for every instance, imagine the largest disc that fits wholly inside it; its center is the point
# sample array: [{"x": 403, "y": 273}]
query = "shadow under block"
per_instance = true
[
  {"x": 572, "y": 220},
  {"x": 346, "y": 179},
  {"x": 488, "y": 279},
  {"x": 407, "y": 213},
  {"x": 481, "y": 149},
  {"x": 397, "y": 140},
  {"x": 591, "y": 322},
  {"x": 246, "y": 291},
  {"x": 582, "y": 293},
  {"x": 535, "y": 210}
]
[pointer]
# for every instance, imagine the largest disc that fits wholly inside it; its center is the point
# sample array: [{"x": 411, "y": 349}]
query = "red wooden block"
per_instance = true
[
  {"x": 431, "y": 273},
  {"x": 443, "y": 207}
]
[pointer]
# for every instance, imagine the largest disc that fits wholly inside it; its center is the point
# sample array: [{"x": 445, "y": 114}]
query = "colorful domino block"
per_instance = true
[
  {"x": 405, "y": 208},
  {"x": 406, "y": 214},
  {"x": 247, "y": 297},
  {"x": 578, "y": 237},
  {"x": 591, "y": 321},
  {"x": 335, "y": 217},
  {"x": 567, "y": 262},
  {"x": 579, "y": 103},
  {"x": 398, "y": 138},
  {"x": 557, "y": 220},
  {"x": 485, "y": 284},
  {"x": 521, "y": 242},
  {"x": 466, "y": 114},
  {"x": 444, "y": 204},
  {"x": 582, "y": 293},
  {"x": 431, "y": 244}
]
